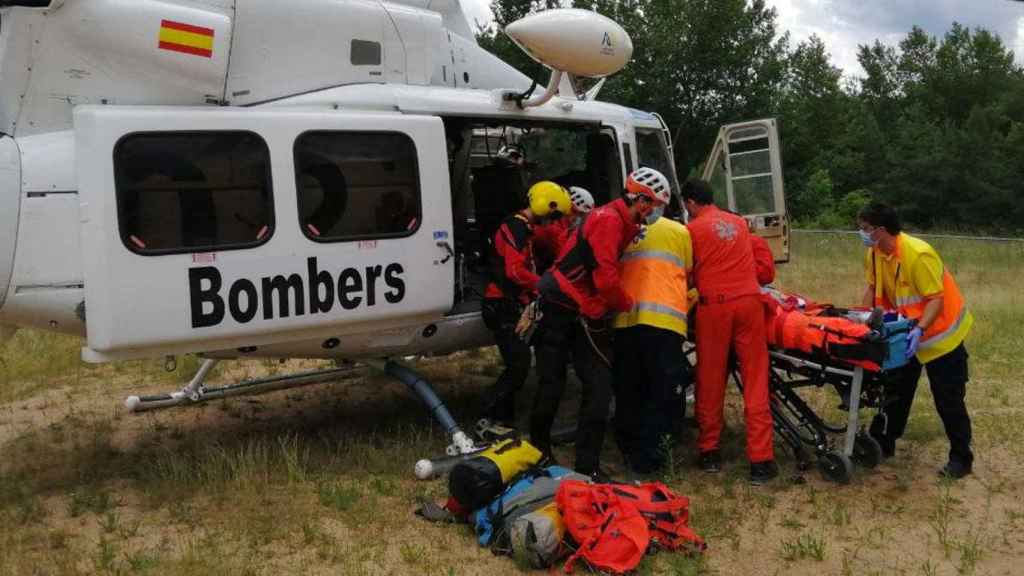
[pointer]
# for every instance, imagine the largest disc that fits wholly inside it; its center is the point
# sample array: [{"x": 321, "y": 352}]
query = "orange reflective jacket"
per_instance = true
[
  {"x": 654, "y": 273},
  {"x": 907, "y": 279}
]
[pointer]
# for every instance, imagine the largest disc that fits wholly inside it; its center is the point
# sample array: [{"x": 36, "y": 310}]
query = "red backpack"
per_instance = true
[
  {"x": 667, "y": 514},
  {"x": 611, "y": 533},
  {"x": 614, "y": 523}
]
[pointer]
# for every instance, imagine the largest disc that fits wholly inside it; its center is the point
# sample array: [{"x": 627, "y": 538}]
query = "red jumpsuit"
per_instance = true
[{"x": 729, "y": 316}]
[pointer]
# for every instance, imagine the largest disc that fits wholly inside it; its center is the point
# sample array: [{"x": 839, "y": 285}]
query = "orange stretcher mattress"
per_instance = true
[{"x": 822, "y": 331}]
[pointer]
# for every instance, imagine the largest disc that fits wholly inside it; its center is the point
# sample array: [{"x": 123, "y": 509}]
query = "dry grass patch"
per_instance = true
[{"x": 318, "y": 480}]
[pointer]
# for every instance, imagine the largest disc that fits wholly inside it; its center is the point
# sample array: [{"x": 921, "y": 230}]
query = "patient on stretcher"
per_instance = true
[{"x": 852, "y": 337}]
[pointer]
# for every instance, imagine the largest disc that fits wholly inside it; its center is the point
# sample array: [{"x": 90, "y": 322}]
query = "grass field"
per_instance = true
[{"x": 319, "y": 480}]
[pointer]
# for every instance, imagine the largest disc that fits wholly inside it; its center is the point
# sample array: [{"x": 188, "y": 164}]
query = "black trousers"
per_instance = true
[
  {"x": 559, "y": 336},
  {"x": 651, "y": 375},
  {"x": 948, "y": 377},
  {"x": 500, "y": 316}
]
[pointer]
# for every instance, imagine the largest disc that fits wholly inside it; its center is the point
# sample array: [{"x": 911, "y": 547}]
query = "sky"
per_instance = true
[{"x": 844, "y": 24}]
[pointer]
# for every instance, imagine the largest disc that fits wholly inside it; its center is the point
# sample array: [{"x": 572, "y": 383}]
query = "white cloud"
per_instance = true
[
  {"x": 477, "y": 11},
  {"x": 844, "y": 24}
]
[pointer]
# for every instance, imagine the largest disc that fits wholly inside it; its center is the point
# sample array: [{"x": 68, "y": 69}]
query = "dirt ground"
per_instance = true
[{"x": 319, "y": 480}]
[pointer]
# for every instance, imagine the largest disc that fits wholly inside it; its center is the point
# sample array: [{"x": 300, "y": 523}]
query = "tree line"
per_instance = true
[{"x": 935, "y": 126}]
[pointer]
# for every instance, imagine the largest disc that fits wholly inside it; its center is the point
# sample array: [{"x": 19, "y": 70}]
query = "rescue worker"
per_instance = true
[
  {"x": 550, "y": 237},
  {"x": 651, "y": 371},
  {"x": 582, "y": 204},
  {"x": 513, "y": 285},
  {"x": 729, "y": 316},
  {"x": 906, "y": 274},
  {"x": 576, "y": 295}
]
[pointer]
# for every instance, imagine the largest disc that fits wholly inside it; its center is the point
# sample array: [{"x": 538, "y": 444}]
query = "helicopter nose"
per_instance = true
[{"x": 10, "y": 193}]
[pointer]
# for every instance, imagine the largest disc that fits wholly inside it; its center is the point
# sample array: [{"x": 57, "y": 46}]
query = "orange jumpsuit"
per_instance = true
[{"x": 729, "y": 315}]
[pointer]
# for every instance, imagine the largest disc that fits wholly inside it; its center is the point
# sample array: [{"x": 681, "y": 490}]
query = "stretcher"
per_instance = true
[
  {"x": 853, "y": 357},
  {"x": 838, "y": 352},
  {"x": 800, "y": 427}
]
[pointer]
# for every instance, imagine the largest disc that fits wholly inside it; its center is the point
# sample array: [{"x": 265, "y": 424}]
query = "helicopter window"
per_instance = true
[
  {"x": 357, "y": 185},
  {"x": 628, "y": 153},
  {"x": 717, "y": 182},
  {"x": 751, "y": 171},
  {"x": 193, "y": 191},
  {"x": 653, "y": 153},
  {"x": 365, "y": 53}
]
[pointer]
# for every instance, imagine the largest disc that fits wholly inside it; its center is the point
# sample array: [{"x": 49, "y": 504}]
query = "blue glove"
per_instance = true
[{"x": 913, "y": 341}]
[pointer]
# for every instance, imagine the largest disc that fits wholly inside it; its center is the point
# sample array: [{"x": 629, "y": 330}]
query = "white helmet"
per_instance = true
[
  {"x": 651, "y": 183},
  {"x": 582, "y": 201}
]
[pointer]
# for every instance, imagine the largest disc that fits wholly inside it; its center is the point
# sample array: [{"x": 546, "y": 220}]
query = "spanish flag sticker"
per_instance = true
[{"x": 179, "y": 37}]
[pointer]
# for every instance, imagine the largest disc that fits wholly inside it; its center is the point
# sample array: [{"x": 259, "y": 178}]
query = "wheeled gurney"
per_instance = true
[
  {"x": 800, "y": 427},
  {"x": 837, "y": 352}
]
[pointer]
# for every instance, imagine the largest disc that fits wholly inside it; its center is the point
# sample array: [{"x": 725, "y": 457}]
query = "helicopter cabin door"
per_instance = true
[
  {"x": 216, "y": 229},
  {"x": 745, "y": 171}
]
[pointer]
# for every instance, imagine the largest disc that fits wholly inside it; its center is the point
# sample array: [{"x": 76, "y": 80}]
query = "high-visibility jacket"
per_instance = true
[
  {"x": 906, "y": 279},
  {"x": 654, "y": 270},
  {"x": 723, "y": 258}
]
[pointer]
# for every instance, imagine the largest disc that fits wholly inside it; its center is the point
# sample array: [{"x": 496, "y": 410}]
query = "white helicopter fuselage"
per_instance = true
[{"x": 107, "y": 105}]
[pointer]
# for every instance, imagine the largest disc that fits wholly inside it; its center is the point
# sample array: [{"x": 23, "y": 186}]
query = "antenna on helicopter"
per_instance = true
[{"x": 571, "y": 42}]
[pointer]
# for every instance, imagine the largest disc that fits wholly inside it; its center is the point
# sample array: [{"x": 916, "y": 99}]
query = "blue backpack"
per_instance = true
[{"x": 530, "y": 491}]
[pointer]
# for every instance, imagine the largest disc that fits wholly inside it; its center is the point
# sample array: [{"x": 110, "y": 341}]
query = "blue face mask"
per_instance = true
[
  {"x": 866, "y": 238},
  {"x": 654, "y": 215}
]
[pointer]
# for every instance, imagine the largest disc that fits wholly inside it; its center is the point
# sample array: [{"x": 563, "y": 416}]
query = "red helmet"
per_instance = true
[{"x": 650, "y": 183}]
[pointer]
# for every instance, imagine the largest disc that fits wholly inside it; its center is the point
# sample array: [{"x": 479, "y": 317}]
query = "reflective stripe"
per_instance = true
[
  {"x": 908, "y": 300},
  {"x": 659, "y": 308},
  {"x": 937, "y": 339},
  {"x": 655, "y": 255}
]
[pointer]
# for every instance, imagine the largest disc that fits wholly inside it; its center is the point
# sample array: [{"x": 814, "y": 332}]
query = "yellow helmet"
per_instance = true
[{"x": 547, "y": 197}]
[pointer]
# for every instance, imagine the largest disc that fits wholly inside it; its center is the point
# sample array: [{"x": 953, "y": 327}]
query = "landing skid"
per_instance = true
[{"x": 196, "y": 391}]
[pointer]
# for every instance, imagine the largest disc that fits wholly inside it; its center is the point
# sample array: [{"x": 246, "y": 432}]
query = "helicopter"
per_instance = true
[{"x": 301, "y": 179}]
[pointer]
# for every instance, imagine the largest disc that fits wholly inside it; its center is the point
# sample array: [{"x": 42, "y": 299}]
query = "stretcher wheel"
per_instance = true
[
  {"x": 867, "y": 452},
  {"x": 836, "y": 467}
]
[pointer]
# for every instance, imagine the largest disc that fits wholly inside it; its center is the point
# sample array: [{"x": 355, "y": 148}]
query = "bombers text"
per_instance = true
[{"x": 283, "y": 296}]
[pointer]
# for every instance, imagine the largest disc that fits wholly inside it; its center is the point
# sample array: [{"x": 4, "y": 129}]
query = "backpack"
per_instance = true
[
  {"x": 614, "y": 523},
  {"x": 475, "y": 481},
  {"x": 538, "y": 536},
  {"x": 531, "y": 490},
  {"x": 667, "y": 514},
  {"x": 611, "y": 534}
]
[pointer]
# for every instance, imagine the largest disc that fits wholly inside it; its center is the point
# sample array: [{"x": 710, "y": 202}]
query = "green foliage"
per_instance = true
[{"x": 935, "y": 126}]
